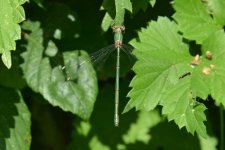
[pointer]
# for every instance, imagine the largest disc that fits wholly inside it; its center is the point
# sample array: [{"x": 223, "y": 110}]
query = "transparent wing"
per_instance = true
[
  {"x": 82, "y": 60},
  {"x": 128, "y": 50},
  {"x": 102, "y": 54}
]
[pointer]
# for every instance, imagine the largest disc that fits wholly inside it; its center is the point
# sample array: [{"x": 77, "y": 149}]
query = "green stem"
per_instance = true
[{"x": 221, "y": 127}]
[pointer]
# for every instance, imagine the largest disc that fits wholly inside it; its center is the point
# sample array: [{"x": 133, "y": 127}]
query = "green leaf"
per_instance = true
[
  {"x": 165, "y": 76},
  {"x": 139, "y": 131},
  {"x": 178, "y": 106},
  {"x": 6, "y": 58},
  {"x": 11, "y": 14},
  {"x": 208, "y": 144},
  {"x": 95, "y": 144},
  {"x": 109, "y": 6},
  {"x": 217, "y": 10},
  {"x": 127, "y": 5},
  {"x": 162, "y": 59},
  {"x": 193, "y": 19},
  {"x": 51, "y": 49},
  {"x": 83, "y": 128},
  {"x": 106, "y": 22},
  {"x": 216, "y": 79},
  {"x": 14, "y": 121},
  {"x": 77, "y": 96},
  {"x": 152, "y": 2},
  {"x": 121, "y": 5}
]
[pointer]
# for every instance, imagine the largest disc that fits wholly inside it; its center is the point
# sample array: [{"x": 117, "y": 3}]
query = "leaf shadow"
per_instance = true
[
  {"x": 8, "y": 111},
  {"x": 167, "y": 136},
  {"x": 101, "y": 121}
]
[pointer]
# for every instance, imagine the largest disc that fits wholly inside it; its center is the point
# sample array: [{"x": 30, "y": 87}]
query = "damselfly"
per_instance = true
[{"x": 104, "y": 53}]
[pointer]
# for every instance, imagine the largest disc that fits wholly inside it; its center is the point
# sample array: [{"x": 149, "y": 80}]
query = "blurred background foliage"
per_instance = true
[{"x": 77, "y": 24}]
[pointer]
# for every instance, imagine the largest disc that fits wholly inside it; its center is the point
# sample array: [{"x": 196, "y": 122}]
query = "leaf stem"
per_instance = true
[{"x": 221, "y": 127}]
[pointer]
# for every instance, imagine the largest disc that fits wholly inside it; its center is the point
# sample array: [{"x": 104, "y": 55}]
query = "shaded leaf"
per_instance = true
[
  {"x": 139, "y": 5},
  {"x": 51, "y": 49},
  {"x": 12, "y": 77},
  {"x": 77, "y": 96},
  {"x": 14, "y": 121},
  {"x": 39, "y": 3}
]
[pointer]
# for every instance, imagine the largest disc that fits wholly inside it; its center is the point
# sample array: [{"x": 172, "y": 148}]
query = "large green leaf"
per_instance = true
[
  {"x": 165, "y": 75},
  {"x": 162, "y": 59},
  {"x": 77, "y": 96},
  {"x": 11, "y": 14},
  {"x": 193, "y": 19},
  {"x": 14, "y": 121},
  {"x": 178, "y": 106},
  {"x": 217, "y": 9},
  {"x": 216, "y": 78}
]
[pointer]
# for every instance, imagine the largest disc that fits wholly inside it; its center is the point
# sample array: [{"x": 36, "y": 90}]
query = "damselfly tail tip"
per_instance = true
[{"x": 116, "y": 121}]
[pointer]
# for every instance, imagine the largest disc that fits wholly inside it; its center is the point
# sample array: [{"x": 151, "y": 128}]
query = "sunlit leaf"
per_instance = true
[
  {"x": 193, "y": 19},
  {"x": 216, "y": 78},
  {"x": 95, "y": 144},
  {"x": 178, "y": 106},
  {"x": 152, "y": 2},
  {"x": 139, "y": 131},
  {"x": 162, "y": 59},
  {"x": 208, "y": 144},
  {"x": 121, "y": 5},
  {"x": 165, "y": 76},
  {"x": 106, "y": 22},
  {"x": 6, "y": 58},
  {"x": 217, "y": 9},
  {"x": 11, "y": 14}
]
